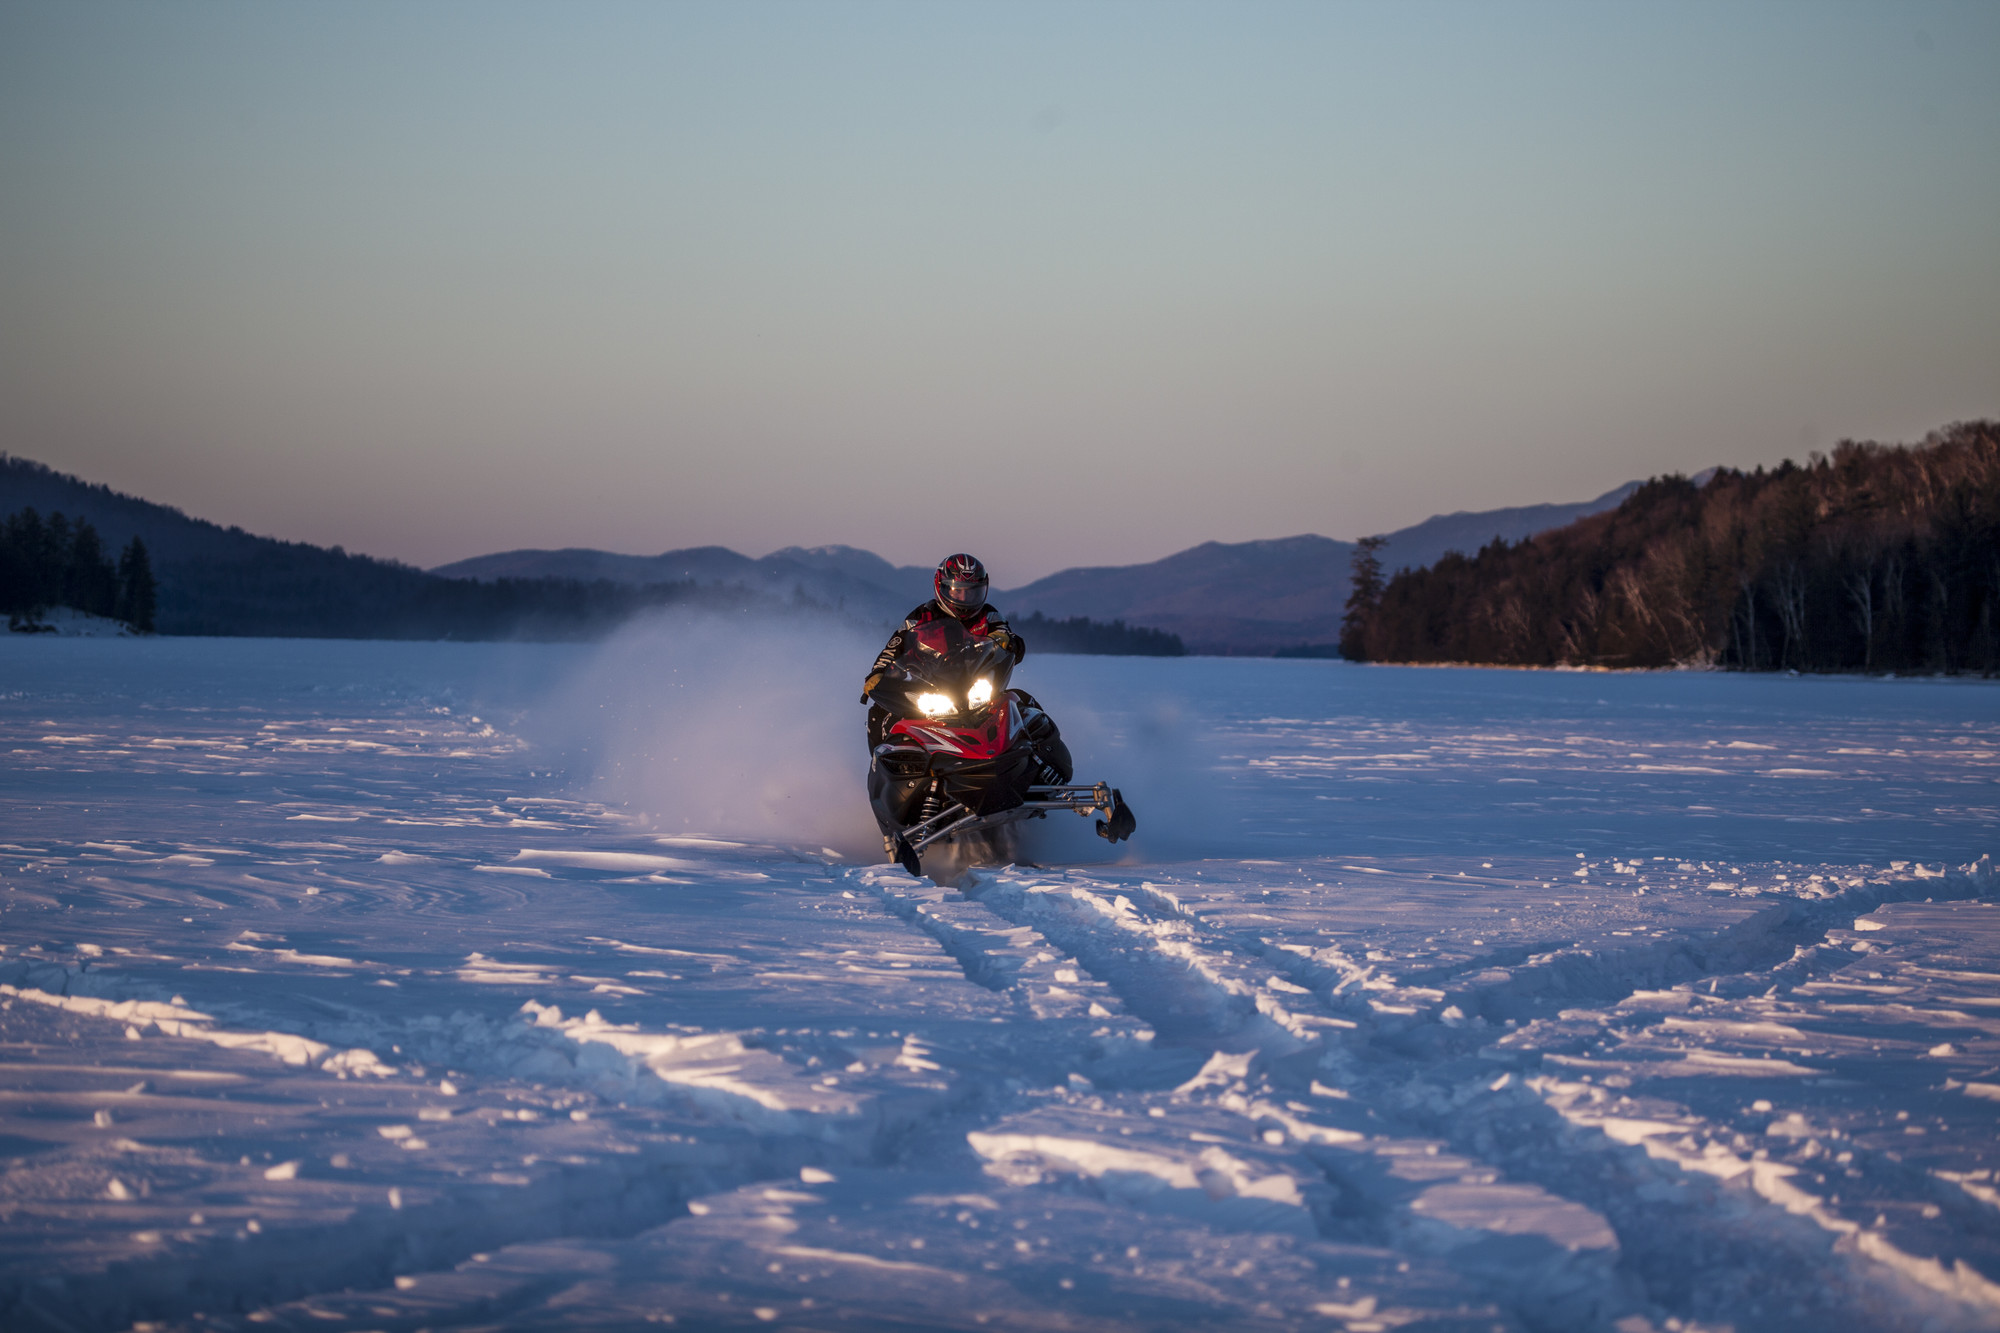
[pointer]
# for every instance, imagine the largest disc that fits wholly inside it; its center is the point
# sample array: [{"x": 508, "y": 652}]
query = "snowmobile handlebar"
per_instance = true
[{"x": 945, "y": 675}]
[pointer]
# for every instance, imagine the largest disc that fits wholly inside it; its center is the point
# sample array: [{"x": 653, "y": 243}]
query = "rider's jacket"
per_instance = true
[{"x": 987, "y": 624}]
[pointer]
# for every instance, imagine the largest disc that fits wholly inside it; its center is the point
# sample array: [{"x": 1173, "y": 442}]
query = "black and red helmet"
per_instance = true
[{"x": 960, "y": 584}]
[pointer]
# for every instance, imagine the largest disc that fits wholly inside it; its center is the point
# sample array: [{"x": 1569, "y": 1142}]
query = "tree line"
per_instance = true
[
  {"x": 1080, "y": 634},
  {"x": 292, "y": 590},
  {"x": 46, "y": 563},
  {"x": 1876, "y": 558}
]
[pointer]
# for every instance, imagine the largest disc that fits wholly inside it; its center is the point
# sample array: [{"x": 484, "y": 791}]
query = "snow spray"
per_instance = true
[
  {"x": 734, "y": 726},
  {"x": 745, "y": 727},
  {"x": 1155, "y": 748}
]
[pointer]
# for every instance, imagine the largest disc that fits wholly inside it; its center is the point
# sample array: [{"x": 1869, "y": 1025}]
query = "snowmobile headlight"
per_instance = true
[
  {"x": 935, "y": 705},
  {"x": 981, "y": 693}
]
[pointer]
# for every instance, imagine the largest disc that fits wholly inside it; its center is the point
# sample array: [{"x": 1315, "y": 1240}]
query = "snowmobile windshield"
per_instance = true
[{"x": 945, "y": 672}]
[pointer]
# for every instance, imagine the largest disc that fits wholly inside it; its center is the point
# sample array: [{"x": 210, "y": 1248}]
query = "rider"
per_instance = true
[{"x": 960, "y": 585}]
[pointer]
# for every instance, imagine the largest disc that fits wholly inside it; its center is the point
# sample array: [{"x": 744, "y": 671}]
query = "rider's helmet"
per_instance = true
[{"x": 960, "y": 584}]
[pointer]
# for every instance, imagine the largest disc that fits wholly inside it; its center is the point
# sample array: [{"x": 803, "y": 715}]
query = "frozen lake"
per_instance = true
[{"x": 399, "y": 986}]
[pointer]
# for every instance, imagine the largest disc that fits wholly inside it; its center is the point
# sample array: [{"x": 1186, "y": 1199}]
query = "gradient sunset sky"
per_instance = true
[{"x": 1061, "y": 284}]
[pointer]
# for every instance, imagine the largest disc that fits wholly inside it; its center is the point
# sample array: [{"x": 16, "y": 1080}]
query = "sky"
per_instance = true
[{"x": 1061, "y": 284}]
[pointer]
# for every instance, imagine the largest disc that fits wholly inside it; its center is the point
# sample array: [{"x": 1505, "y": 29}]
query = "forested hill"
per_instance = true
[
  {"x": 1878, "y": 558},
  {"x": 215, "y": 580}
]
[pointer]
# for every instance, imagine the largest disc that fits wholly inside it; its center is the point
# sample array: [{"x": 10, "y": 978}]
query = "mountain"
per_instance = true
[
  {"x": 170, "y": 535},
  {"x": 844, "y": 577},
  {"x": 225, "y": 581},
  {"x": 1220, "y": 597},
  {"x": 217, "y": 580},
  {"x": 911, "y": 581},
  {"x": 1424, "y": 544},
  {"x": 1258, "y": 597}
]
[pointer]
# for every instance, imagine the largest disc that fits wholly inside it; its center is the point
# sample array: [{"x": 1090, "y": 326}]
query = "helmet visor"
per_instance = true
[{"x": 963, "y": 594}]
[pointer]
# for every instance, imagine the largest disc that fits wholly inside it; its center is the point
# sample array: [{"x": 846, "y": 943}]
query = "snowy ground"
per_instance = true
[{"x": 424, "y": 986}]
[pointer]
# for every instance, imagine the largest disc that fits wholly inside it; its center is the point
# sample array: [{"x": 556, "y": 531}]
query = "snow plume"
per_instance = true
[
  {"x": 746, "y": 727},
  {"x": 1152, "y": 744},
  {"x": 727, "y": 726}
]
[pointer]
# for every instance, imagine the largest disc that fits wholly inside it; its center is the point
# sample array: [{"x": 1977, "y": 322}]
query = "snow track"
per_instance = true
[
  {"x": 324, "y": 1005},
  {"x": 1401, "y": 1054}
]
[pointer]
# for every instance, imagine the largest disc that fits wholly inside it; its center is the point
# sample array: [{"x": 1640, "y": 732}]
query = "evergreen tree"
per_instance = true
[
  {"x": 1364, "y": 594},
  {"x": 33, "y": 556},
  {"x": 17, "y": 561},
  {"x": 90, "y": 581},
  {"x": 137, "y": 593},
  {"x": 54, "y": 562}
]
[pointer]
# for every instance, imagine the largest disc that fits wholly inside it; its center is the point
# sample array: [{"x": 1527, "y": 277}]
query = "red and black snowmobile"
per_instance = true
[{"x": 966, "y": 757}]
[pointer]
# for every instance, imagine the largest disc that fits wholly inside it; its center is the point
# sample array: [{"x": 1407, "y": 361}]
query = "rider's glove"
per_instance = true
[{"x": 868, "y": 686}]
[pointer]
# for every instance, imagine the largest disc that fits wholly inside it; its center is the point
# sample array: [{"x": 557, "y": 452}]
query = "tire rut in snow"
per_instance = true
[{"x": 1154, "y": 960}]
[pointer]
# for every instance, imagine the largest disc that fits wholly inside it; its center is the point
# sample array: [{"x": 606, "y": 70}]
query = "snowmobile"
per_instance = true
[{"x": 966, "y": 757}]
